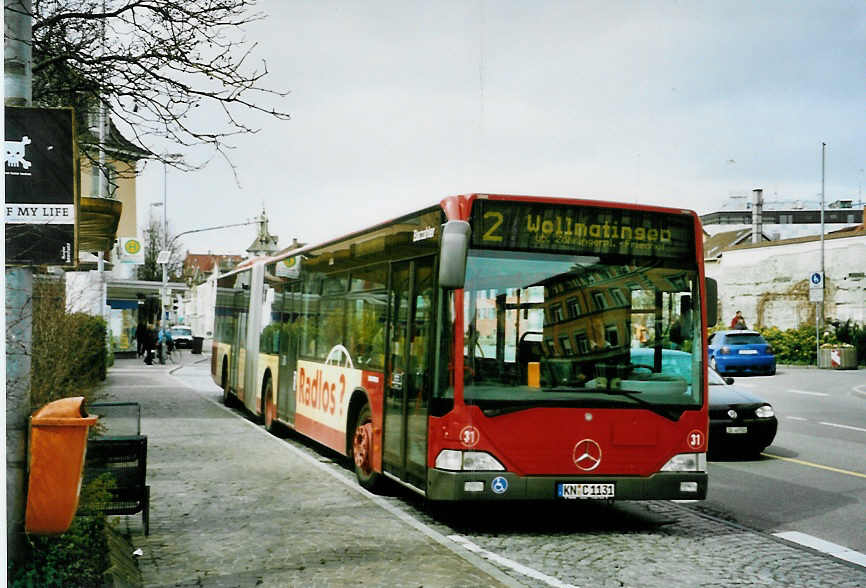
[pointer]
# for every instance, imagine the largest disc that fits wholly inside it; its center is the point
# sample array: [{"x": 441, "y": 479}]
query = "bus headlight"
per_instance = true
[
  {"x": 449, "y": 459},
  {"x": 479, "y": 461},
  {"x": 686, "y": 462},
  {"x": 474, "y": 461}
]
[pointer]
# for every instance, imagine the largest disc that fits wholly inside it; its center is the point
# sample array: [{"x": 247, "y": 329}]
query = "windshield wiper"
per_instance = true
[{"x": 670, "y": 412}]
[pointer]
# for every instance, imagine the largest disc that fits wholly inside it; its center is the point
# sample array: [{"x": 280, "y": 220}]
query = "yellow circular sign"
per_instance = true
[{"x": 132, "y": 246}]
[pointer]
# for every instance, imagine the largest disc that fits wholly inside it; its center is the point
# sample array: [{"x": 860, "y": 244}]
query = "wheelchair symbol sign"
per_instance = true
[
  {"x": 499, "y": 485},
  {"x": 816, "y": 278}
]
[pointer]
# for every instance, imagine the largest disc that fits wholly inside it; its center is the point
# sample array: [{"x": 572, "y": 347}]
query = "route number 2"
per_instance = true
[{"x": 491, "y": 233}]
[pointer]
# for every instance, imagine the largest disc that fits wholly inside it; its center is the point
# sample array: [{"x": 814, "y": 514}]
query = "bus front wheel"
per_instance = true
[{"x": 362, "y": 451}]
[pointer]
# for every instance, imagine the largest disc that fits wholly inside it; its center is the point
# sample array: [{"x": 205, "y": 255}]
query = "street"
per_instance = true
[
  {"x": 729, "y": 537},
  {"x": 812, "y": 479}
]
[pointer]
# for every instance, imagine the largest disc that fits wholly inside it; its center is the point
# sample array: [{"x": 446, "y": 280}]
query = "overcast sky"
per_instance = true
[{"x": 397, "y": 104}]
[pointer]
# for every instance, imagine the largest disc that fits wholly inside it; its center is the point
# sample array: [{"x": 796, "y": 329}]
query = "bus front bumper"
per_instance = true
[{"x": 467, "y": 486}]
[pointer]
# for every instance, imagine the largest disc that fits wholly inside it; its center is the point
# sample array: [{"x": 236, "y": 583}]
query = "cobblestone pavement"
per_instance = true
[{"x": 232, "y": 506}]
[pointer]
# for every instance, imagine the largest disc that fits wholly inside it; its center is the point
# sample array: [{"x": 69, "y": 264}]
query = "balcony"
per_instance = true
[{"x": 97, "y": 223}]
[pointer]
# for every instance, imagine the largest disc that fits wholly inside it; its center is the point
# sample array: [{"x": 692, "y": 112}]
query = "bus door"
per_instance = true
[
  {"x": 237, "y": 344},
  {"x": 408, "y": 377},
  {"x": 288, "y": 364}
]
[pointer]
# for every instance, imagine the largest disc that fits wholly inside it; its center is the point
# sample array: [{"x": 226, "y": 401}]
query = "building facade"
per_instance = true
[{"x": 769, "y": 281}]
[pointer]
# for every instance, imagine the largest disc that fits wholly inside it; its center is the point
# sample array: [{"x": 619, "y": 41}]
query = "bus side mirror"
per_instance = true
[
  {"x": 453, "y": 248},
  {"x": 712, "y": 302}
]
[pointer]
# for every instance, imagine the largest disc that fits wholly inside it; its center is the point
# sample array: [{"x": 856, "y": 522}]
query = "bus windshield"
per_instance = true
[{"x": 564, "y": 329}]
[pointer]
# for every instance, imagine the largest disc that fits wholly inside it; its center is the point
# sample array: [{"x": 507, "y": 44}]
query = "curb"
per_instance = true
[{"x": 122, "y": 567}]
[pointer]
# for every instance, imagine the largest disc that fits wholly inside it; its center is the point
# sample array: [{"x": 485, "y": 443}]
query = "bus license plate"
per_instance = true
[{"x": 585, "y": 491}]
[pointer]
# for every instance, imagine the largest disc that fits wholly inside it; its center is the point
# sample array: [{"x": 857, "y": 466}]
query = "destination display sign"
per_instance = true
[{"x": 584, "y": 230}]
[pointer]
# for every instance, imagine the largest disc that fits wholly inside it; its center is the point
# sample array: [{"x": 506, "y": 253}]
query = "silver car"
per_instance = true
[{"x": 181, "y": 335}]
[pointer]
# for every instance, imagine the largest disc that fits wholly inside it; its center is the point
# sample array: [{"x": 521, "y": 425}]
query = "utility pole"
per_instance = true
[
  {"x": 821, "y": 306},
  {"x": 17, "y": 73}
]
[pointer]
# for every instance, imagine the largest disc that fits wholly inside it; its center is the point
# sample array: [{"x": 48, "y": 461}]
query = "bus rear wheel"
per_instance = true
[
  {"x": 362, "y": 451},
  {"x": 224, "y": 381},
  {"x": 269, "y": 407}
]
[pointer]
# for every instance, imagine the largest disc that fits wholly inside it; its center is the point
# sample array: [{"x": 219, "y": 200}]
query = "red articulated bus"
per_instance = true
[{"x": 490, "y": 347}]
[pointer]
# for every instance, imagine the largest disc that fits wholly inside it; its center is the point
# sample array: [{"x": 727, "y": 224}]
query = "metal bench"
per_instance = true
[{"x": 118, "y": 448}]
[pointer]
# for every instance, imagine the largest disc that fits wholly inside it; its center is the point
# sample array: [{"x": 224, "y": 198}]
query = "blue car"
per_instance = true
[{"x": 741, "y": 351}]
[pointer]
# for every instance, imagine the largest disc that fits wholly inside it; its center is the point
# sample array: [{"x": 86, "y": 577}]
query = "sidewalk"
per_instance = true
[{"x": 233, "y": 506}]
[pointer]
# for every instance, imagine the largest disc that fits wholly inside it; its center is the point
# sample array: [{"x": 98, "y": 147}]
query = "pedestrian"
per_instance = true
[
  {"x": 140, "y": 338},
  {"x": 166, "y": 344},
  {"x": 738, "y": 322},
  {"x": 149, "y": 343},
  {"x": 160, "y": 343}
]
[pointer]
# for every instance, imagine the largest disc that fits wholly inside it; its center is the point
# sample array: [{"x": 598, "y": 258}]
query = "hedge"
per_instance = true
[
  {"x": 69, "y": 351},
  {"x": 798, "y": 346}
]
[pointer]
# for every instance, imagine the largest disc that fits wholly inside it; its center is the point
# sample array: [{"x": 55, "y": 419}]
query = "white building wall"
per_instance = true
[
  {"x": 85, "y": 292},
  {"x": 770, "y": 283},
  {"x": 199, "y": 308}
]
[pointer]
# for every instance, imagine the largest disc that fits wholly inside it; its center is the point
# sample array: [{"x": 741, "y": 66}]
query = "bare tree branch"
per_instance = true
[{"x": 154, "y": 63}]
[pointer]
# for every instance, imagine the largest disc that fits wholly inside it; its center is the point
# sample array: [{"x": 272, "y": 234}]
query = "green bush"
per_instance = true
[
  {"x": 78, "y": 557},
  {"x": 796, "y": 346},
  {"x": 69, "y": 353}
]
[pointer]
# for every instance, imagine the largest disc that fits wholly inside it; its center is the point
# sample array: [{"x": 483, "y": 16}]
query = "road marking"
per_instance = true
[
  {"x": 837, "y": 425},
  {"x": 807, "y": 392},
  {"x": 815, "y": 465},
  {"x": 861, "y": 429},
  {"x": 838, "y": 551},
  {"x": 505, "y": 562},
  {"x": 139, "y": 386}
]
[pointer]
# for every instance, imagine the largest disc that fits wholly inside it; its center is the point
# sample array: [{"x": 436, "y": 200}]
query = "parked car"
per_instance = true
[
  {"x": 740, "y": 423},
  {"x": 741, "y": 351},
  {"x": 182, "y": 336}
]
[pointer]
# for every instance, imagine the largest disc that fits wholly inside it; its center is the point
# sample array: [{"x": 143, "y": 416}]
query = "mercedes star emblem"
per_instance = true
[{"x": 587, "y": 455}]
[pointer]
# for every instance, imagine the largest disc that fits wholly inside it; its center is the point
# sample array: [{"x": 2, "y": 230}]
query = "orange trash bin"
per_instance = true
[{"x": 58, "y": 439}]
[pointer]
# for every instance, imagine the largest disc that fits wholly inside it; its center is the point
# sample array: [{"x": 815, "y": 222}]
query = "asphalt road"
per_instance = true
[{"x": 812, "y": 479}]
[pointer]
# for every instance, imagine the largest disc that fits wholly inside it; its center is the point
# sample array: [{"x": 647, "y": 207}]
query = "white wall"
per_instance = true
[
  {"x": 770, "y": 283},
  {"x": 198, "y": 308},
  {"x": 85, "y": 292}
]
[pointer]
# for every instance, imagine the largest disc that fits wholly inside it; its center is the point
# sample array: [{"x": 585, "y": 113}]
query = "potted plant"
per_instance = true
[{"x": 838, "y": 356}]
